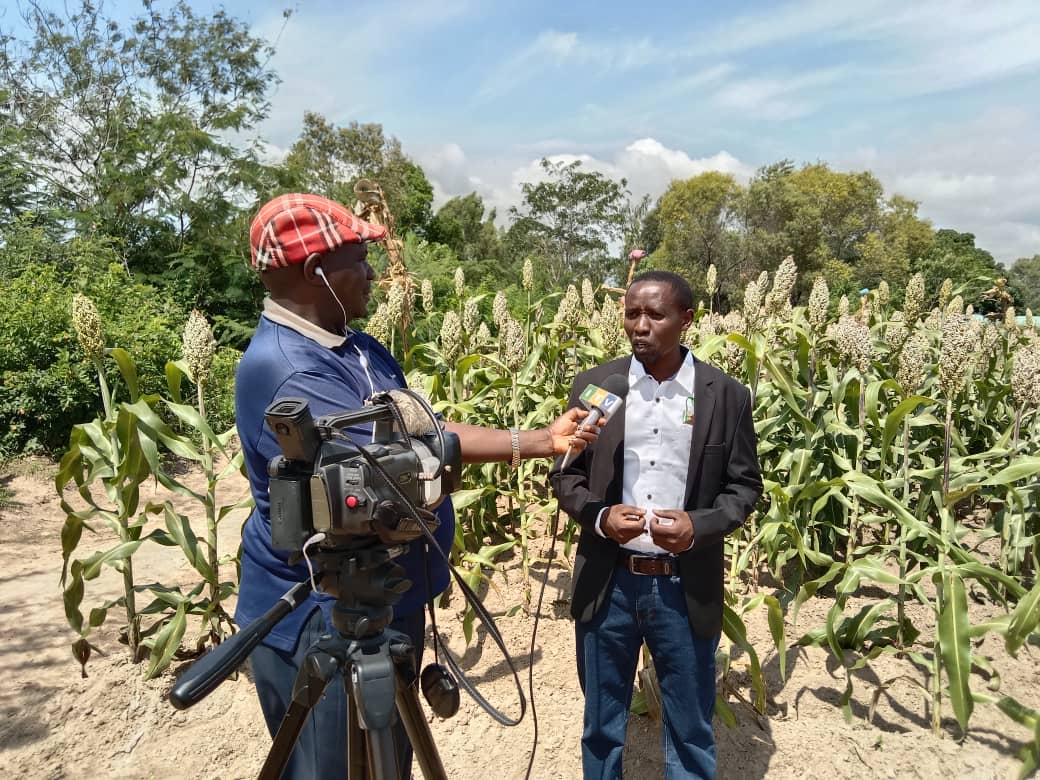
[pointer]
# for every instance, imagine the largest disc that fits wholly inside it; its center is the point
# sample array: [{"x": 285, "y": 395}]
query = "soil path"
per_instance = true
[{"x": 114, "y": 724}]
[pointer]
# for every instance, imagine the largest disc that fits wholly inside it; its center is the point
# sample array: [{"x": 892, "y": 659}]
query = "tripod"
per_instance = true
[{"x": 377, "y": 666}]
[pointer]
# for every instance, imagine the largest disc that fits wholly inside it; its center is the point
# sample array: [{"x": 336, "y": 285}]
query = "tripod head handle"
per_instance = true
[{"x": 208, "y": 672}]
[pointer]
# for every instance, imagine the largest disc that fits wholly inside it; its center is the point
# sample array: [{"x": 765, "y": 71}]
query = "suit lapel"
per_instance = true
[
  {"x": 704, "y": 407},
  {"x": 609, "y": 444}
]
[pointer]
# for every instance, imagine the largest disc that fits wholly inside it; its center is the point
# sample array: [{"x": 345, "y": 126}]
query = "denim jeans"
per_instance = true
[
  {"x": 321, "y": 750},
  {"x": 650, "y": 608}
]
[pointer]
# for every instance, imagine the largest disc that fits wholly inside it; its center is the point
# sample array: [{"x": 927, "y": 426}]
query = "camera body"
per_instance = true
[{"x": 323, "y": 483}]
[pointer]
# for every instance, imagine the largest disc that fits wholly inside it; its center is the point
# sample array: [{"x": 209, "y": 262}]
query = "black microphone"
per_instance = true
[{"x": 601, "y": 402}]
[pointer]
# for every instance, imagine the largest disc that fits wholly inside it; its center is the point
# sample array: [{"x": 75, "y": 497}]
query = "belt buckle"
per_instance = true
[{"x": 633, "y": 559}]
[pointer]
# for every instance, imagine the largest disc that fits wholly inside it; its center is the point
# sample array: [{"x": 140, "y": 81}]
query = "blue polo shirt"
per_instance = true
[{"x": 289, "y": 356}]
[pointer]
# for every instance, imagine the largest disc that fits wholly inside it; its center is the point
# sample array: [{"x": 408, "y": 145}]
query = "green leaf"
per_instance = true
[
  {"x": 180, "y": 529},
  {"x": 733, "y": 627},
  {"x": 894, "y": 420},
  {"x": 114, "y": 556},
  {"x": 128, "y": 369},
  {"x": 955, "y": 646},
  {"x": 166, "y": 643},
  {"x": 463, "y": 498},
  {"x": 1024, "y": 620},
  {"x": 176, "y": 370}
]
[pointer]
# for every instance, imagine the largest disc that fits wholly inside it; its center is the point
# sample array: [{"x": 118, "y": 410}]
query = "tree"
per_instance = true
[
  {"x": 971, "y": 269},
  {"x": 699, "y": 227},
  {"x": 1025, "y": 273},
  {"x": 461, "y": 224},
  {"x": 570, "y": 221},
  {"x": 329, "y": 160},
  {"x": 123, "y": 127}
]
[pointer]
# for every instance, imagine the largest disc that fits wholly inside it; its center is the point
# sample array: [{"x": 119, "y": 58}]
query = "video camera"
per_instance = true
[{"x": 324, "y": 482}]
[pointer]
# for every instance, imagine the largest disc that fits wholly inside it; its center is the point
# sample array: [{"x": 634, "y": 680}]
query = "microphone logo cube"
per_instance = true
[{"x": 597, "y": 397}]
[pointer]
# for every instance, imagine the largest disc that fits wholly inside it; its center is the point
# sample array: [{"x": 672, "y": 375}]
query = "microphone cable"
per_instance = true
[{"x": 550, "y": 557}]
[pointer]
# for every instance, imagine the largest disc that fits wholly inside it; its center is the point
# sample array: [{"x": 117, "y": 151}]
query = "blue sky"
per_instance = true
[{"x": 939, "y": 99}]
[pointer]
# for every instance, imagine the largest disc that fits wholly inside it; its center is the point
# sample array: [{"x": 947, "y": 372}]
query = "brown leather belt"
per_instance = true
[{"x": 666, "y": 565}]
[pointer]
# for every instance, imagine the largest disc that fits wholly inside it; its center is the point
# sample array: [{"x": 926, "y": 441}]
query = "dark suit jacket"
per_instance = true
[{"x": 722, "y": 485}]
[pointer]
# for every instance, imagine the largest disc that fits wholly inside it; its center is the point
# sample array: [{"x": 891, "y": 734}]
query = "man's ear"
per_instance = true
[
  {"x": 687, "y": 319},
  {"x": 312, "y": 271}
]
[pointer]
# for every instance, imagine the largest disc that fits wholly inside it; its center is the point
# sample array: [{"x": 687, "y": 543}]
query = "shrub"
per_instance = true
[{"x": 47, "y": 384}]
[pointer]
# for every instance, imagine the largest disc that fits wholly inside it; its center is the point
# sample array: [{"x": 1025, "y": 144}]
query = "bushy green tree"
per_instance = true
[
  {"x": 329, "y": 160},
  {"x": 698, "y": 219},
  {"x": 464, "y": 225},
  {"x": 569, "y": 221},
  {"x": 971, "y": 269},
  {"x": 1025, "y": 272},
  {"x": 125, "y": 126}
]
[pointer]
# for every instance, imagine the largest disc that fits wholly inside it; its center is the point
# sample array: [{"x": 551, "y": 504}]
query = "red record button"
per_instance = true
[{"x": 352, "y": 501}]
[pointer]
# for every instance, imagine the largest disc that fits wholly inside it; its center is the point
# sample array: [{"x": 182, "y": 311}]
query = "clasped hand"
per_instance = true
[{"x": 670, "y": 529}]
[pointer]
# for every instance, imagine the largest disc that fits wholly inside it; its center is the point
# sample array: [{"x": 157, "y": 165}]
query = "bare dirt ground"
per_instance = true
[{"x": 114, "y": 724}]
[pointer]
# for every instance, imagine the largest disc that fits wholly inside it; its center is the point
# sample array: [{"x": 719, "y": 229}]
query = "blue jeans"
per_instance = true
[
  {"x": 321, "y": 750},
  {"x": 650, "y": 608}
]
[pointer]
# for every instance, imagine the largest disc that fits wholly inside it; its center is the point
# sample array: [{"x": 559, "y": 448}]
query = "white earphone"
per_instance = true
[{"x": 321, "y": 275}]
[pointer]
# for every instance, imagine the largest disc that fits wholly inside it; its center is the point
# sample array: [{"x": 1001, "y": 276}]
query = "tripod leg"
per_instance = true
[
  {"x": 311, "y": 681},
  {"x": 418, "y": 729},
  {"x": 371, "y": 754},
  {"x": 370, "y": 688},
  {"x": 357, "y": 752}
]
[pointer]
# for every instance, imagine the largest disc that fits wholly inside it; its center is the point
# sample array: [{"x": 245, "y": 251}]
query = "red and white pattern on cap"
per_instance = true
[{"x": 291, "y": 228}]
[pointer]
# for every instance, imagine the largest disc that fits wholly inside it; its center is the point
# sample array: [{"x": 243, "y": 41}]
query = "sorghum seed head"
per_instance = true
[
  {"x": 711, "y": 280},
  {"x": 913, "y": 298},
  {"x": 912, "y": 360},
  {"x": 427, "y": 296},
  {"x": 451, "y": 337},
  {"x": 959, "y": 343},
  {"x": 198, "y": 346},
  {"x": 460, "y": 283},
  {"x": 883, "y": 294},
  {"x": 511, "y": 344},
  {"x": 527, "y": 275},
  {"x": 500, "y": 308},
  {"x": 1025, "y": 374},
  {"x": 87, "y": 322},
  {"x": 819, "y": 299},
  {"x": 588, "y": 295},
  {"x": 378, "y": 326},
  {"x": 945, "y": 293},
  {"x": 470, "y": 315}
]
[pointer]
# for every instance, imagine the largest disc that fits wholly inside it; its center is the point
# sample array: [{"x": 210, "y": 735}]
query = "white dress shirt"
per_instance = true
[{"x": 658, "y": 435}]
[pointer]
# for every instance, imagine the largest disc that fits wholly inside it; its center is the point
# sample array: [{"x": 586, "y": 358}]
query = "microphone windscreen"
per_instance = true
[
  {"x": 616, "y": 384},
  {"x": 416, "y": 419}
]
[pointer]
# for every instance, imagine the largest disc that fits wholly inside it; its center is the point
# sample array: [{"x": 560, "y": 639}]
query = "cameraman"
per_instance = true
[{"x": 311, "y": 255}]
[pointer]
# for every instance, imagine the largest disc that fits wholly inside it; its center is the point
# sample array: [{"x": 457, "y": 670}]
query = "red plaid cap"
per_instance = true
[{"x": 291, "y": 228}]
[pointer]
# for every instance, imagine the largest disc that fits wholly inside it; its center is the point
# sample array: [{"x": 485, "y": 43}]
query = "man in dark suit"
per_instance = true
[{"x": 671, "y": 475}]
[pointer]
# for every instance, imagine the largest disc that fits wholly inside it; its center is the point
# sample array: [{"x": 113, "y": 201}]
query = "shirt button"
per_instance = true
[
  {"x": 657, "y": 400},
  {"x": 648, "y": 496},
  {"x": 655, "y": 430},
  {"x": 651, "y": 463}
]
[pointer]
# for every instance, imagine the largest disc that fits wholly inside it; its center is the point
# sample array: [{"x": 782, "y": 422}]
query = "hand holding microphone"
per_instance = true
[{"x": 602, "y": 403}]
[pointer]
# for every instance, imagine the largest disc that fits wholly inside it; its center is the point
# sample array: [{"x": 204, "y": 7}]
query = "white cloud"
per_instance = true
[
  {"x": 778, "y": 98},
  {"x": 552, "y": 49},
  {"x": 648, "y": 165},
  {"x": 979, "y": 176},
  {"x": 449, "y": 172}
]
